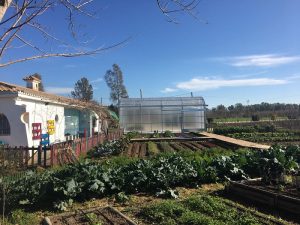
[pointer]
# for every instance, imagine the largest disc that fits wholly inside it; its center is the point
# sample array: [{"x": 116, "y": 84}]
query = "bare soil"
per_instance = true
[{"x": 106, "y": 215}]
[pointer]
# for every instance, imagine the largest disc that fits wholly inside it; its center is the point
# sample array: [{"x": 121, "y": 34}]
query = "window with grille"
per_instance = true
[{"x": 4, "y": 125}]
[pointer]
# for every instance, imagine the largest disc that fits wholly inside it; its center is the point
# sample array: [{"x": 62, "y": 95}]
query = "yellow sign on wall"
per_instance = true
[{"x": 50, "y": 127}]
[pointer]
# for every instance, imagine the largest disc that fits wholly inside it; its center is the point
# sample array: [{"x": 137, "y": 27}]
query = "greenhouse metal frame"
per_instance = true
[{"x": 176, "y": 114}]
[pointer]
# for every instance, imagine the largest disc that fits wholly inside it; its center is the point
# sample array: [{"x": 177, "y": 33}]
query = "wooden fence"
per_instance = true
[{"x": 56, "y": 154}]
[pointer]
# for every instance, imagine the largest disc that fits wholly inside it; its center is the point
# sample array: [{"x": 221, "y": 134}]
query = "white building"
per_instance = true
[{"x": 26, "y": 113}]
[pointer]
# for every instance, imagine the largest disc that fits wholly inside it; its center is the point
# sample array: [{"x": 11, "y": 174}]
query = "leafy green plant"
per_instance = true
[
  {"x": 160, "y": 174},
  {"x": 165, "y": 147},
  {"x": 121, "y": 197},
  {"x": 198, "y": 209},
  {"x": 21, "y": 217},
  {"x": 152, "y": 148},
  {"x": 93, "y": 219},
  {"x": 168, "y": 133},
  {"x": 275, "y": 163},
  {"x": 155, "y": 134},
  {"x": 227, "y": 169},
  {"x": 132, "y": 134},
  {"x": 109, "y": 148},
  {"x": 170, "y": 193}
]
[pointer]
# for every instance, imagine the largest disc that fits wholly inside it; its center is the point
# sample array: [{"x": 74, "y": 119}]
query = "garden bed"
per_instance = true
[
  {"x": 103, "y": 216},
  {"x": 255, "y": 191},
  {"x": 141, "y": 149}
]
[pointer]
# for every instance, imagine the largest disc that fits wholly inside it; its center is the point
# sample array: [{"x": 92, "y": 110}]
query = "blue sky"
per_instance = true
[{"x": 237, "y": 51}]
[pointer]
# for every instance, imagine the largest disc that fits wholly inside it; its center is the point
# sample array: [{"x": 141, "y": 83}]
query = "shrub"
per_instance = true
[
  {"x": 109, "y": 148},
  {"x": 168, "y": 133},
  {"x": 132, "y": 134},
  {"x": 255, "y": 117},
  {"x": 273, "y": 117}
]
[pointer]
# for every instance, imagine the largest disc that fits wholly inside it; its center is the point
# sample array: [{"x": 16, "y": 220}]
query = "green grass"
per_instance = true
[
  {"x": 198, "y": 209},
  {"x": 165, "y": 147},
  {"x": 267, "y": 136},
  {"x": 246, "y": 119},
  {"x": 234, "y": 119},
  {"x": 20, "y": 217},
  {"x": 152, "y": 148}
]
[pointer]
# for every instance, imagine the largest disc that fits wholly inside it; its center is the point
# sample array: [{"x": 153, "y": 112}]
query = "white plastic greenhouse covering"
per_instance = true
[{"x": 177, "y": 114}]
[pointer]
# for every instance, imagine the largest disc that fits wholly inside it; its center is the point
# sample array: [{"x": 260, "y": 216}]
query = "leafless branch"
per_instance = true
[
  {"x": 169, "y": 7},
  {"x": 67, "y": 55},
  {"x": 30, "y": 44},
  {"x": 24, "y": 15}
]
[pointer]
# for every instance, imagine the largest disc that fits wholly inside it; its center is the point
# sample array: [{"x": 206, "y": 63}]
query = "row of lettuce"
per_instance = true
[
  {"x": 259, "y": 133},
  {"x": 159, "y": 175}
]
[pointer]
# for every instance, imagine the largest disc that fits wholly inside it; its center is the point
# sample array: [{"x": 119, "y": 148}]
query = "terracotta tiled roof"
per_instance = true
[
  {"x": 72, "y": 103},
  {"x": 31, "y": 77}
]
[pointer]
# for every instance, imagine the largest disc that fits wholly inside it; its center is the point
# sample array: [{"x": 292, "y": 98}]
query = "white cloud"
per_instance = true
[
  {"x": 266, "y": 60},
  {"x": 200, "y": 84},
  {"x": 169, "y": 90},
  {"x": 97, "y": 80},
  {"x": 59, "y": 90}
]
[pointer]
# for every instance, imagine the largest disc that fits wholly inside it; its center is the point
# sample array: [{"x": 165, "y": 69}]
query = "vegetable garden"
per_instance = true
[
  {"x": 260, "y": 134},
  {"x": 158, "y": 169}
]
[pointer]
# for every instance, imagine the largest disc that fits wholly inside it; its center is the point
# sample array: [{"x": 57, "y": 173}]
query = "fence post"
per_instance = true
[
  {"x": 26, "y": 156},
  {"x": 45, "y": 156},
  {"x": 32, "y": 156},
  {"x": 39, "y": 155},
  {"x": 86, "y": 145},
  {"x": 51, "y": 155},
  {"x": 21, "y": 157},
  {"x": 93, "y": 139}
]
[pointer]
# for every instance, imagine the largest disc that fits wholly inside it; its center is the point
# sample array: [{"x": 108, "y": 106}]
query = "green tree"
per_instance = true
[
  {"x": 114, "y": 80},
  {"x": 83, "y": 90}
]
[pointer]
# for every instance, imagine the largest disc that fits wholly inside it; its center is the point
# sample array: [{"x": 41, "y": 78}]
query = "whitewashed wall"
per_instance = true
[
  {"x": 18, "y": 135},
  {"x": 39, "y": 112}
]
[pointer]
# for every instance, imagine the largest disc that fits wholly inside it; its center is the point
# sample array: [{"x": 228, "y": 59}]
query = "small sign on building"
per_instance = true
[
  {"x": 36, "y": 131},
  {"x": 50, "y": 127}
]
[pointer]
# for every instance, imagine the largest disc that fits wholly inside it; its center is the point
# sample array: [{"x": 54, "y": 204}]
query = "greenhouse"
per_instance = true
[{"x": 176, "y": 114}]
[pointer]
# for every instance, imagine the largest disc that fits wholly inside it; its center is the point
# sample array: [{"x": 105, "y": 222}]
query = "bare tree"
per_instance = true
[
  {"x": 24, "y": 16},
  {"x": 171, "y": 7},
  {"x": 18, "y": 17}
]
